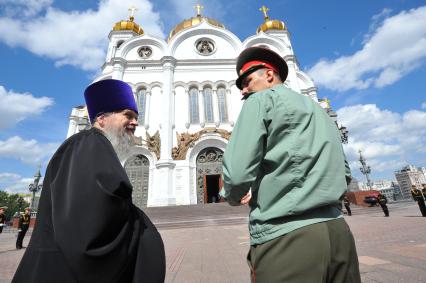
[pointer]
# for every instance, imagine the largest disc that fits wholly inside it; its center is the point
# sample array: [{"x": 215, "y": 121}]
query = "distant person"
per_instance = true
[
  {"x": 382, "y": 200},
  {"x": 417, "y": 196},
  {"x": 23, "y": 225},
  {"x": 2, "y": 218},
  {"x": 347, "y": 205},
  {"x": 88, "y": 229},
  {"x": 285, "y": 159}
]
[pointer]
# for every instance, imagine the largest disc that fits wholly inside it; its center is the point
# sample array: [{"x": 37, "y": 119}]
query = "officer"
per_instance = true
[
  {"x": 382, "y": 199},
  {"x": 285, "y": 159},
  {"x": 2, "y": 218},
  {"x": 24, "y": 224},
  {"x": 417, "y": 196},
  {"x": 347, "y": 205}
]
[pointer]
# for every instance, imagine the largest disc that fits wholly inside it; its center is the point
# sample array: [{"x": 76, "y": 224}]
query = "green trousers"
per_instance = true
[{"x": 322, "y": 252}]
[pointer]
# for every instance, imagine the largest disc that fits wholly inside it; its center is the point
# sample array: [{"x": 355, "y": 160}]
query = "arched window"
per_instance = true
[
  {"x": 221, "y": 100},
  {"x": 193, "y": 106},
  {"x": 141, "y": 105},
  {"x": 208, "y": 105},
  {"x": 119, "y": 43}
]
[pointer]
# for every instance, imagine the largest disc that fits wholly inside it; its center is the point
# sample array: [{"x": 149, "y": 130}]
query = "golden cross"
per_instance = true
[
  {"x": 132, "y": 11},
  {"x": 198, "y": 7},
  {"x": 264, "y": 10}
]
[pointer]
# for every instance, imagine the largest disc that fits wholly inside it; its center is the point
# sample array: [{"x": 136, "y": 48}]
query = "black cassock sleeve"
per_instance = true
[{"x": 95, "y": 225}]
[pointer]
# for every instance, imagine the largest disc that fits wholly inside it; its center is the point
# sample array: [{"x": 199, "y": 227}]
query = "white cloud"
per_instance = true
[
  {"x": 388, "y": 140},
  {"x": 16, "y": 107},
  {"x": 14, "y": 183},
  {"x": 390, "y": 51},
  {"x": 77, "y": 38},
  {"x": 424, "y": 105},
  {"x": 27, "y": 151}
]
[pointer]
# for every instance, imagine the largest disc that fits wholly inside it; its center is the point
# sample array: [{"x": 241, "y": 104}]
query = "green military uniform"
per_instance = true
[
  {"x": 24, "y": 224},
  {"x": 382, "y": 199},
  {"x": 417, "y": 196},
  {"x": 2, "y": 219},
  {"x": 347, "y": 205},
  {"x": 286, "y": 148}
]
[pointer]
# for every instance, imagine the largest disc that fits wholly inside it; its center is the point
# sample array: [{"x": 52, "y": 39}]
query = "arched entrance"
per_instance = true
[
  {"x": 209, "y": 175},
  {"x": 137, "y": 168}
]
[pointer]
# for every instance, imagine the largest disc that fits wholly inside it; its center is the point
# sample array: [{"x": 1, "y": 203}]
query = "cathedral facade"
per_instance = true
[{"x": 188, "y": 102}]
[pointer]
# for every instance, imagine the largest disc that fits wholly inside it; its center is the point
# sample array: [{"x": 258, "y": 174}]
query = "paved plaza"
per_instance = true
[{"x": 209, "y": 243}]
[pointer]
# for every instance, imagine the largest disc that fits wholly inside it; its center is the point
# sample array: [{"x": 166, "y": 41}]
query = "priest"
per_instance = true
[{"x": 88, "y": 229}]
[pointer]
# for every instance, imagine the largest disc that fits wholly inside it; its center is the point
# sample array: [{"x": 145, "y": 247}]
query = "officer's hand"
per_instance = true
[{"x": 246, "y": 198}]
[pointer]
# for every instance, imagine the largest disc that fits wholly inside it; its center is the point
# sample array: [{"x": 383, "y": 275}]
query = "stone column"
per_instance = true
[
  {"x": 188, "y": 114},
  {"x": 147, "y": 108},
  {"x": 118, "y": 69},
  {"x": 215, "y": 102},
  {"x": 229, "y": 109},
  {"x": 164, "y": 192},
  {"x": 201, "y": 108}
]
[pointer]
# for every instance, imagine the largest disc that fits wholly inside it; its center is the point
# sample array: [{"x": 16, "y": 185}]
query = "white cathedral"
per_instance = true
[{"x": 188, "y": 102}]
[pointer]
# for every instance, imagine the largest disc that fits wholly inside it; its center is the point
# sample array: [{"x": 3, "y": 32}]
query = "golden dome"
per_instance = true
[
  {"x": 128, "y": 25},
  {"x": 192, "y": 22},
  {"x": 270, "y": 24}
]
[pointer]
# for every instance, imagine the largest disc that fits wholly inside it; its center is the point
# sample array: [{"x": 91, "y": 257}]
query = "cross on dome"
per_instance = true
[
  {"x": 264, "y": 9},
  {"x": 198, "y": 7},
  {"x": 132, "y": 11}
]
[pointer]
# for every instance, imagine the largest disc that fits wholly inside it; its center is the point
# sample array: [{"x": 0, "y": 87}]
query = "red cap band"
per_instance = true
[{"x": 249, "y": 64}]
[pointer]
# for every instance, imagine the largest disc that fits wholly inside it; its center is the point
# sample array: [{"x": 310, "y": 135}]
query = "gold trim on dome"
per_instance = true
[
  {"x": 130, "y": 24},
  {"x": 194, "y": 21},
  {"x": 269, "y": 24}
]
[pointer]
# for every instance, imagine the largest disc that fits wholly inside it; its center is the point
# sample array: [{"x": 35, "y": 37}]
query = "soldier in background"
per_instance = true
[
  {"x": 24, "y": 224},
  {"x": 347, "y": 205},
  {"x": 382, "y": 199},
  {"x": 417, "y": 196},
  {"x": 2, "y": 218}
]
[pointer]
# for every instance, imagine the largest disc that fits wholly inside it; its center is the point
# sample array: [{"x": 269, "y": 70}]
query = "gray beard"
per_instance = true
[{"x": 120, "y": 140}]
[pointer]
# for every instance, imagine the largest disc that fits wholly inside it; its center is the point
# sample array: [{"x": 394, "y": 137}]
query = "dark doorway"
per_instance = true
[{"x": 212, "y": 188}]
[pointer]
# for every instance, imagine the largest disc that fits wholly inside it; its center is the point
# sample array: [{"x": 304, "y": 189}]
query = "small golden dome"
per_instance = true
[
  {"x": 128, "y": 25},
  {"x": 270, "y": 24},
  {"x": 192, "y": 22}
]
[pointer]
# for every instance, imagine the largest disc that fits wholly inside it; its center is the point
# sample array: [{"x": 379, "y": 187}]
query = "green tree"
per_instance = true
[{"x": 12, "y": 203}]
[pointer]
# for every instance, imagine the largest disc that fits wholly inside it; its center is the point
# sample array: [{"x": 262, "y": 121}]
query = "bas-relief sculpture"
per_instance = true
[
  {"x": 187, "y": 140},
  {"x": 153, "y": 143}
]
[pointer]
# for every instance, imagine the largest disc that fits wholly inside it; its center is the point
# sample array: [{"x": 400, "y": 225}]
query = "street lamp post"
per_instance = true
[
  {"x": 35, "y": 186},
  {"x": 365, "y": 169}
]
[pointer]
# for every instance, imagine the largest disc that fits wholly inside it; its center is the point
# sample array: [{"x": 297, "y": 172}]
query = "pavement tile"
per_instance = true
[
  {"x": 368, "y": 260},
  {"x": 215, "y": 251}
]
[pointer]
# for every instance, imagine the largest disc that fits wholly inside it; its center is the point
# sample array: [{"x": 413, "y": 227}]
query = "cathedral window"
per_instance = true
[
  {"x": 119, "y": 43},
  {"x": 208, "y": 105},
  {"x": 221, "y": 100},
  {"x": 141, "y": 105},
  {"x": 193, "y": 106}
]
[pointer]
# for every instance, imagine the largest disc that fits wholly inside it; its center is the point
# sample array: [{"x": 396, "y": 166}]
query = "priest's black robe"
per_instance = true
[{"x": 88, "y": 229}]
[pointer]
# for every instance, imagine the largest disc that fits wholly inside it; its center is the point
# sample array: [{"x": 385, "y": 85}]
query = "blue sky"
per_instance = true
[{"x": 367, "y": 57}]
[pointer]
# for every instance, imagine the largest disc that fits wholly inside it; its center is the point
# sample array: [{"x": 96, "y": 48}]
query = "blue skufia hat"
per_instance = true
[{"x": 108, "y": 96}]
